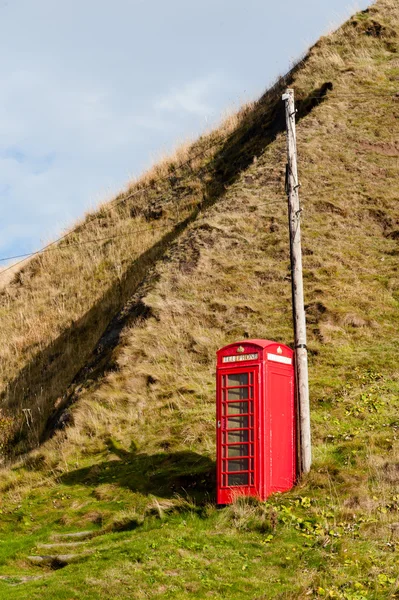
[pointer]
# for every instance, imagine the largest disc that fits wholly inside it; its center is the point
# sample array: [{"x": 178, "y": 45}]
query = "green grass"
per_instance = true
[{"x": 291, "y": 547}]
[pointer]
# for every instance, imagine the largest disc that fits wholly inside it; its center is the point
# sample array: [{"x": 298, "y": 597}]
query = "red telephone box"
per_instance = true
[{"x": 256, "y": 425}]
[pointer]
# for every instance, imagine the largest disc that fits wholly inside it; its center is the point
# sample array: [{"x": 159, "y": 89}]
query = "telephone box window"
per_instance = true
[
  {"x": 237, "y": 408},
  {"x": 238, "y": 479},
  {"x": 238, "y": 394},
  {"x": 239, "y": 450},
  {"x": 237, "y": 379},
  {"x": 237, "y": 422},
  {"x": 241, "y": 464},
  {"x": 235, "y": 437},
  {"x": 237, "y": 426}
]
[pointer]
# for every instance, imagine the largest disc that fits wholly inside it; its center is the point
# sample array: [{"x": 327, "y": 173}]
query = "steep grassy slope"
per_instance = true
[{"x": 138, "y": 383}]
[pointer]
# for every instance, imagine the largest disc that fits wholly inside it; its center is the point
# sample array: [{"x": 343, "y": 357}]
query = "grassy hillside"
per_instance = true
[{"x": 117, "y": 340}]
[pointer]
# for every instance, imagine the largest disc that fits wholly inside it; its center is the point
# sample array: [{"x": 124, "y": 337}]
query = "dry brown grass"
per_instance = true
[{"x": 8, "y": 273}]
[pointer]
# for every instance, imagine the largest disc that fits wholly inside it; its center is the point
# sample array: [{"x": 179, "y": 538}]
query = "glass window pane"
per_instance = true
[
  {"x": 238, "y": 479},
  {"x": 239, "y": 450},
  {"x": 237, "y": 393},
  {"x": 237, "y": 379},
  {"x": 237, "y": 408},
  {"x": 239, "y": 464},
  {"x": 237, "y": 422},
  {"x": 238, "y": 436}
]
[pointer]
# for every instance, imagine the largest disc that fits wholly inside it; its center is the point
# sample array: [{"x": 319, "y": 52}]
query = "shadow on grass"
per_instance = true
[{"x": 164, "y": 474}]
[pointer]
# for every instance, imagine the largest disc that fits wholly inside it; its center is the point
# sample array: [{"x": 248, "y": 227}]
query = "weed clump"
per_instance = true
[
  {"x": 250, "y": 514},
  {"x": 126, "y": 520},
  {"x": 160, "y": 508}
]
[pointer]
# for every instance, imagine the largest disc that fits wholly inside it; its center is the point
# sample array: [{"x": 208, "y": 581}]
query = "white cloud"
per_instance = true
[{"x": 192, "y": 97}]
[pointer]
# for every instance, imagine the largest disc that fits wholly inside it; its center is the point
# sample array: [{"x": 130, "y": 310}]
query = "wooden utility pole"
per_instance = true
[{"x": 294, "y": 216}]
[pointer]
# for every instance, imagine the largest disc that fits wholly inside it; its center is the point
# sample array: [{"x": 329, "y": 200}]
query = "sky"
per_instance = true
[{"x": 95, "y": 91}]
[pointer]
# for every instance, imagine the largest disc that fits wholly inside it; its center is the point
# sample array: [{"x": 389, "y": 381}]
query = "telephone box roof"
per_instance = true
[{"x": 255, "y": 342}]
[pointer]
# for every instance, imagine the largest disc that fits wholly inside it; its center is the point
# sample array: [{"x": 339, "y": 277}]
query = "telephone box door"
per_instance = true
[
  {"x": 281, "y": 428},
  {"x": 237, "y": 433}
]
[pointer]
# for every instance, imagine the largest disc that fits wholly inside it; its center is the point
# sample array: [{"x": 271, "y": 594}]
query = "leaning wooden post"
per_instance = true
[{"x": 294, "y": 216}]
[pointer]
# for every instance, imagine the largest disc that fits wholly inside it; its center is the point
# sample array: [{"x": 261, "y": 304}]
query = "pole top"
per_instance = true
[{"x": 288, "y": 93}]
